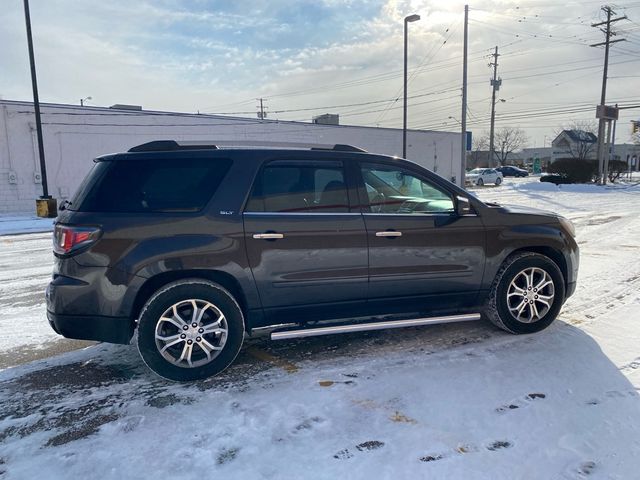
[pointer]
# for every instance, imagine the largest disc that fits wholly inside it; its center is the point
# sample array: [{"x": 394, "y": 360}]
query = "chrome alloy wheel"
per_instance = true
[
  {"x": 191, "y": 333},
  {"x": 530, "y": 295}
]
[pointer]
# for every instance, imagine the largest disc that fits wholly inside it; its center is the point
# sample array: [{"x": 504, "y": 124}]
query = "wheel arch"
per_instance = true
[
  {"x": 554, "y": 254},
  {"x": 156, "y": 282}
]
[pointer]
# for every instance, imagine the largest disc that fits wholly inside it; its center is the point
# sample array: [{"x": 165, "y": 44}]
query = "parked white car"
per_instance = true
[{"x": 482, "y": 176}]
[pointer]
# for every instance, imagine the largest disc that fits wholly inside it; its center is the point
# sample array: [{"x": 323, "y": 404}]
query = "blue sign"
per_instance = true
[{"x": 469, "y": 147}]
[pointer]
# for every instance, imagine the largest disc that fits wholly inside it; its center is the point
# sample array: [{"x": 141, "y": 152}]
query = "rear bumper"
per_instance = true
[
  {"x": 102, "y": 329},
  {"x": 89, "y": 303}
]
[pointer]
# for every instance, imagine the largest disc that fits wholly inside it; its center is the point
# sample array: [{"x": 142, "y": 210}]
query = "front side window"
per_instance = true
[
  {"x": 299, "y": 189},
  {"x": 396, "y": 190}
]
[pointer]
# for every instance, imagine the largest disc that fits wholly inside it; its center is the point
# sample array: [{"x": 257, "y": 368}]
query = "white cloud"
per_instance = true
[{"x": 189, "y": 56}]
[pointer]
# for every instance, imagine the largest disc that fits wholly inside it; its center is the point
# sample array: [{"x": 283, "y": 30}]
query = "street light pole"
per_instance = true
[
  {"x": 36, "y": 102},
  {"x": 407, "y": 20}
]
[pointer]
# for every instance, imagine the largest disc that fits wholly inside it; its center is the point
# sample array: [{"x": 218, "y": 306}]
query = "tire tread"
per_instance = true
[
  {"x": 180, "y": 283},
  {"x": 491, "y": 308}
]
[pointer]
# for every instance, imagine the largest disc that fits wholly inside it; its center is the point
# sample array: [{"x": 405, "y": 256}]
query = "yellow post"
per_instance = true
[{"x": 47, "y": 207}]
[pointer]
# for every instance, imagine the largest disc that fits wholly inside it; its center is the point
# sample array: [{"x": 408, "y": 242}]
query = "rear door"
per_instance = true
[
  {"x": 306, "y": 244},
  {"x": 421, "y": 253}
]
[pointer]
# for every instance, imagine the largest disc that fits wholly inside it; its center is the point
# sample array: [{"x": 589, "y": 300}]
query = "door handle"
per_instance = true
[
  {"x": 268, "y": 236},
  {"x": 388, "y": 233}
]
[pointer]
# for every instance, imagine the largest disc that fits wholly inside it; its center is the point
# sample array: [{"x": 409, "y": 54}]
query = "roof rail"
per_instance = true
[
  {"x": 168, "y": 145},
  {"x": 341, "y": 147}
]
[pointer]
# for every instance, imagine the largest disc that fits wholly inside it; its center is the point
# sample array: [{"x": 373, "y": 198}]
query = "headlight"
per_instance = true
[{"x": 568, "y": 225}]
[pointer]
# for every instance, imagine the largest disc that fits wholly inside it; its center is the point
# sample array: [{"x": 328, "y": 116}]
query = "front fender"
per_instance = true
[{"x": 548, "y": 239}]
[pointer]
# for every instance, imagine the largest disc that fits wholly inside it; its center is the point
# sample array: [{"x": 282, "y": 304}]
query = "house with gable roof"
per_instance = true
[{"x": 575, "y": 144}]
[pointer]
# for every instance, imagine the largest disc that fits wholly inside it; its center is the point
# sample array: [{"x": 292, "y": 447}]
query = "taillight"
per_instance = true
[{"x": 66, "y": 239}]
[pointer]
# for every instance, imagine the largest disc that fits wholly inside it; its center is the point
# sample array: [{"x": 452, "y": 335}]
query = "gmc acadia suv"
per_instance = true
[{"x": 196, "y": 245}]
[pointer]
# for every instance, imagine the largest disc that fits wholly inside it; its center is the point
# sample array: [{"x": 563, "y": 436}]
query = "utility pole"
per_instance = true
[
  {"x": 612, "y": 145},
  {"x": 407, "y": 20},
  {"x": 48, "y": 202},
  {"x": 602, "y": 174},
  {"x": 463, "y": 120},
  {"x": 495, "y": 84},
  {"x": 261, "y": 114}
]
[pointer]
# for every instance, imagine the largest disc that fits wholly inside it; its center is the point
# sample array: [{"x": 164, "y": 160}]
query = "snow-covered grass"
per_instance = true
[{"x": 450, "y": 401}]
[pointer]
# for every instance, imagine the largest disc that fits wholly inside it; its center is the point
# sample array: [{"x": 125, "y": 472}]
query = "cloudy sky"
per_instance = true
[{"x": 311, "y": 57}]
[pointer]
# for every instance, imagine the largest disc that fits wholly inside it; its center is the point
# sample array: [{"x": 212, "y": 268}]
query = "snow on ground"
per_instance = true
[
  {"x": 26, "y": 263},
  {"x": 449, "y": 401},
  {"x": 14, "y": 224}
]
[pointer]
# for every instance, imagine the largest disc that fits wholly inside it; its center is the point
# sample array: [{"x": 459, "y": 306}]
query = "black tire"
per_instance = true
[
  {"x": 497, "y": 309},
  {"x": 480, "y": 182},
  {"x": 215, "y": 302},
  {"x": 498, "y": 181}
]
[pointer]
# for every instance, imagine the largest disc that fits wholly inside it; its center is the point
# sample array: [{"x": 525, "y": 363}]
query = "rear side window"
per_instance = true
[
  {"x": 151, "y": 185},
  {"x": 299, "y": 188}
]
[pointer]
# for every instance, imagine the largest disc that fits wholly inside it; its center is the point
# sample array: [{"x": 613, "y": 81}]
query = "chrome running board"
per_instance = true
[{"x": 363, "y": 327}]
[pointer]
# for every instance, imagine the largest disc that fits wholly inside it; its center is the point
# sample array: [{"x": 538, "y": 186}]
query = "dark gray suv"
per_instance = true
[{"x": 196, "y": 245}]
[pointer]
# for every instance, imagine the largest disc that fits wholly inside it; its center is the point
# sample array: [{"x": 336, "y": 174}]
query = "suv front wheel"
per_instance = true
[
  {"x": 190, "y": 329},
  {"x": 527, "y": 293}
]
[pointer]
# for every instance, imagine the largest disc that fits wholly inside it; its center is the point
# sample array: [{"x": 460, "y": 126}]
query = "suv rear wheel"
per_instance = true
[
  {"x": 190, "y": 329},
  {"x": 527, "y": 293}
]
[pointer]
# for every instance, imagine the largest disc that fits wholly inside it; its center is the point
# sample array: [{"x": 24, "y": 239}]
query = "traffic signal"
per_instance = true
[{"x": 635, "y": 126}]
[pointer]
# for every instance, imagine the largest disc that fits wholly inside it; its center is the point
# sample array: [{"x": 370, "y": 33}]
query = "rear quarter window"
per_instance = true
[{"x": 151, "y": 185}]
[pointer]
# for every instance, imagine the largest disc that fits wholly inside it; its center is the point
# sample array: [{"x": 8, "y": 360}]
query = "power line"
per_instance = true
[
  {"x": 415, "y": 71},
  {"x": 324, "y": 107}
]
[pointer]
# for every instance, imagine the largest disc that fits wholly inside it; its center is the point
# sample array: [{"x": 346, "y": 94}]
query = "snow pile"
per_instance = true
[{"x": 534, "y": 185}]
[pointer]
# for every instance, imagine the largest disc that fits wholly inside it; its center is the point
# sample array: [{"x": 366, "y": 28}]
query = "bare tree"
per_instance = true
[
  {"x": 507, "y": 140},
  {"x": 585, "y": 142},
  {"x": 479, "y": 144}
]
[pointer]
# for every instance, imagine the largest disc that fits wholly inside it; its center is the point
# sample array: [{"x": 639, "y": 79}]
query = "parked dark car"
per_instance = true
[
  {"x": 555, "y": 178},
  {"x": 511, "y": 171},
  {"x": 195, "y": 246}
]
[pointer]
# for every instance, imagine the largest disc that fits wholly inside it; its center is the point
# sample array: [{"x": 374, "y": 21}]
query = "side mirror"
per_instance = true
[{"x": 463, "y": 206}]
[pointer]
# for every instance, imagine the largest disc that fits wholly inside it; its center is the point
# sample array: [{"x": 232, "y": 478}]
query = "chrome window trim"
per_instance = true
[
  {"x": 361, "y": 213},
  {"x": 419, "y": 214},
  {"x": 303, "y": 213}
]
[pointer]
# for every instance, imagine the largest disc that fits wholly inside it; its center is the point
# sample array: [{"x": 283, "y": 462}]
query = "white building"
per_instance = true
[
  {"x": 627, "y": 152},
  {"x": 575, "y": 144},
  {"x": 74, "y": 135}
]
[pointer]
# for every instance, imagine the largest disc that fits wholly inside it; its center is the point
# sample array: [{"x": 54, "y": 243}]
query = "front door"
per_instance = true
[
  {"x": 306, "y": 247},
  {"x": 421, "y": 253}
]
